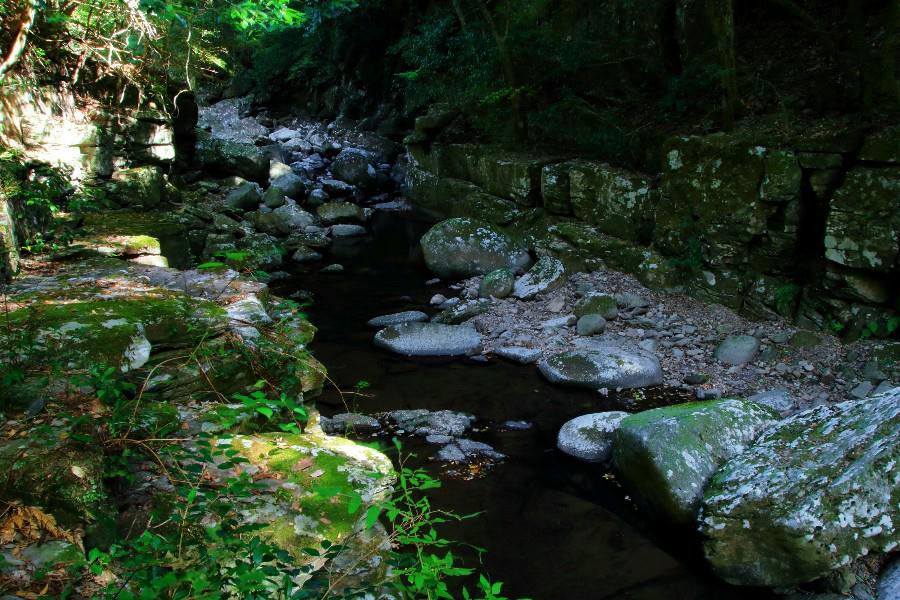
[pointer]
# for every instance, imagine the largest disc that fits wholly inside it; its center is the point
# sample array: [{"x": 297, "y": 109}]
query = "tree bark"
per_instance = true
[
  {"x": 18, "y": 46},
  {"x": 520, "y": 125}
]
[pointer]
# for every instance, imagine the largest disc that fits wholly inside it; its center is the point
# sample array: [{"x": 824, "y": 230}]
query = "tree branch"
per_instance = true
[{"x": 18, "y": 45}]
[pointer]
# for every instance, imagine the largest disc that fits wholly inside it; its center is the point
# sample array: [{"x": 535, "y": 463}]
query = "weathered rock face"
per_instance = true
[
  {"x": 616, "y": 201},
  {"x": 465, "y": 247},
  {"x": 863, "y": 229},
  {"x": 814, "y": 493},
  {"x": 667, "y": 455},
  {"x": 605, "y": 365}
]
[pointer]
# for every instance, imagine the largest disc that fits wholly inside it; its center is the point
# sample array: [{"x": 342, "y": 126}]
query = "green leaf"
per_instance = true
[{"x": 354, "y": 504}]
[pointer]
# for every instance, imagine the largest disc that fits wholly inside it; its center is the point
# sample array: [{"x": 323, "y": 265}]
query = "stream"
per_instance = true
[{"x": 553, "y": 527}]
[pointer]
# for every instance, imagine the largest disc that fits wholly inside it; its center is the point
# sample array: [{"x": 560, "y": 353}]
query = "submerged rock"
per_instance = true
[
  {"x": 546, "y": 275},
  {"x": 590, "y": 437},
  {"x": 429, "y": 339},
  {"x": 606, "y": 365},
  {"x": 343, "y": 423},
  {"x": 463, "y": 450},
  {"x": 465, "y": 247},
  {"x": 409, "y": 316},
  {"x": 814, "y": 493},
  {"x": 667, "y": 455},
  {"x": 426, "y": 423}
]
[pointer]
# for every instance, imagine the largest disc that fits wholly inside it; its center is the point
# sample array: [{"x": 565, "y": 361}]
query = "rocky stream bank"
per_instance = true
[{"x": 779, "y": 444}]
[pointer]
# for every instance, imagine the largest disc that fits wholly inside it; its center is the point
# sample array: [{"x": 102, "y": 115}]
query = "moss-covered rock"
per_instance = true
[
  {"x": 497, "y": 284},
  {"x": 616, "y": 201},
  {"x": 138, "y": 187},
  {"x": 546, "y": 275},
  {"x": 813, "y": 494},
  {"x": 863, "y": 229},
  {"x": 667, "y": 455},
  {"x": 464, "y": 247},
  {"x": 226, "y": 158},
  {"x": 596, "y": 303}
]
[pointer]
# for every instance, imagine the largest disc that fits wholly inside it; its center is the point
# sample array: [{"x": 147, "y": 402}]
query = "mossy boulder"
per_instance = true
[
  {"x": 226, "y": 158},
  {"x": 462, "y": 311},
  {"x": 546, "y": 275},
  {"x": 597, "y": 303},
  {"x": 463, "y": 247},
  {"x": 497, "y": 284},
  {"x": 813, "y": 494},
  {"x": 340, "y": 212},
  {"x": 863, "y": 228},
  {"x": 60, "y": 475},
  {"x": 138, "y": 187},
  {"x": 667, "y": 455},
  {"x": 604, "y": 364}
]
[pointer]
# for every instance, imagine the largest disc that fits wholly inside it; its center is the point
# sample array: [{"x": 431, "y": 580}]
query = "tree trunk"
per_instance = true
[
  {"x": 18, "y": 46},
  {"x": 520, "y": 125}
]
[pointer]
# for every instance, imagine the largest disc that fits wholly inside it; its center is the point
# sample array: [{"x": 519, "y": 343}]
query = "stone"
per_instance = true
[
  {"x": 737, "y": 349},
  {"x": 590, "y": 437},
  {"x": 316, "y": 197},
  {"x": 804, "y": 339},
  {"x": 616, "y": 201},
  {"x": 597, "y": 367},
  {"x": 343, "y": 423},
  {"x": 559, "y": 322},
  {"x": 305, "y": 255},
  {"x": 463, "y": 247},
  {"x": 284, "y": 134},
  {"x": 355, "y": 167},
  {"x": 284, "y": 220},
  {"x": 864, "y": 389},
  {"x": 863, "y": 227},
  {"x": 667, "y": 455},
  {"x": 226, "y": 158},
  {"x": 811, "y": 495},
  {"x": 590, "y": 325},
  {"x": 343, "y": 230},
  {"x": 274, "y": 197},
  {"x": 409, "y": 316},
  {"x": 429, "y": 339},
  {"x": 778, "y": 399},
  {"x": 140, "y": 187},
  {"x": 339, "y": 212},
  {"x": 889, "y": 581},
  {"x": 463, "y": 450},
  {"x": 291, "y": 185},
  {"x": 518, "y": 354},
  {"x": 428, "y": 423},
  {"x": 462, "y": 311},
  {"x": 595, "y": 303},
  {"x": 246, "y": 196},
  {"x": 497, "y": 284},
  {"x": 333, "y": 268},
  {"x": 630, "y": 300},
  {"x": 336, "y": 188},
  {"x": 546, "y": 275}
]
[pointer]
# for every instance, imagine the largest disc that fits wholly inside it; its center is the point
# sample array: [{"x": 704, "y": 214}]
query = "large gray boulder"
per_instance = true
[
  {"x": 246, "y": 196},
  {"x": 227, "y": 158},
  {"x": 429, "y": 339},
  {"x": 284, "y": 220},
  {"x": 464, "y": 247},
  {"x": 814, "y": 493},
  {"x": 737, "y": 349},
  {"x": 667, "y": 455},
  {"x": 546, "y": 275},
  {"x": 590, "y": 437},
  {"x": 291, "y": 185},
  {"x": 604, "y": 365},
  {"x": 409, "y": 316}
]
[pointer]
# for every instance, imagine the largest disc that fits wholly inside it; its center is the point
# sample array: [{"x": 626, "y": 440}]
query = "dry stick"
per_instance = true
[{"x": 18, "y": 45}]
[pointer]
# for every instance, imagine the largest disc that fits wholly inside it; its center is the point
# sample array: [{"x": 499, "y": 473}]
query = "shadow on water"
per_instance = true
[{"x": 554, "y": 528}]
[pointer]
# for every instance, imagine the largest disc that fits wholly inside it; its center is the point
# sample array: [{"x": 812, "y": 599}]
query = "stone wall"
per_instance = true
[{"x": 804, "y": 226}]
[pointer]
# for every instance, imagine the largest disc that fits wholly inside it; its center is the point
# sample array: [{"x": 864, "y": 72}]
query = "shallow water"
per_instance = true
[{"x": 553, "y": 527}]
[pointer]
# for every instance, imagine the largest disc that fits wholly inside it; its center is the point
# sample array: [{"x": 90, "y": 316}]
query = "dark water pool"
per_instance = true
[{"x": 554, "y": 528}]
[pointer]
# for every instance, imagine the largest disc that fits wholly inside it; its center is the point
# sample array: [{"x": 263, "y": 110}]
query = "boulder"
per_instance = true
[
  {"x": 667, "y": 455},
  {"x": 429, "y": 339},
  {"x": 737, "y": 349},
  {"x": 347, "y": 230},
  {"x": 340, "y": 212},
  {"x": 462, "y": 311},
  {"x": 779, "y": 399},
  {"x": 497, "y": 284},
  {"x": 595, "y": 303},
  {"x": 425, "y": 423},
  {"x": 409, "y": 316},
  {"x": 814, "y": 493},
  {"x": 284, "y": 220},
  {"x": 605, "y": 365},
  {"x": 291, "y": 185},
  {"x": 464, "y": 450},
  {"x": 225, "y": 158},
  {"x": 343, "y": 423},
  {"x": 246, "y": 196},
  {"x": 590, "y": 325},
  {"x": 142, "y": 187},
  {"x": 518, "y": 354},
  {"x": 303, "y": 254},
  {"x": 463, "y": 247},
  {"x": 354, "y": 166},
  {"x": 274, "y": 197},
  {"x": 546, "y": 275},
  {"x": 590, "y": 437}
]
